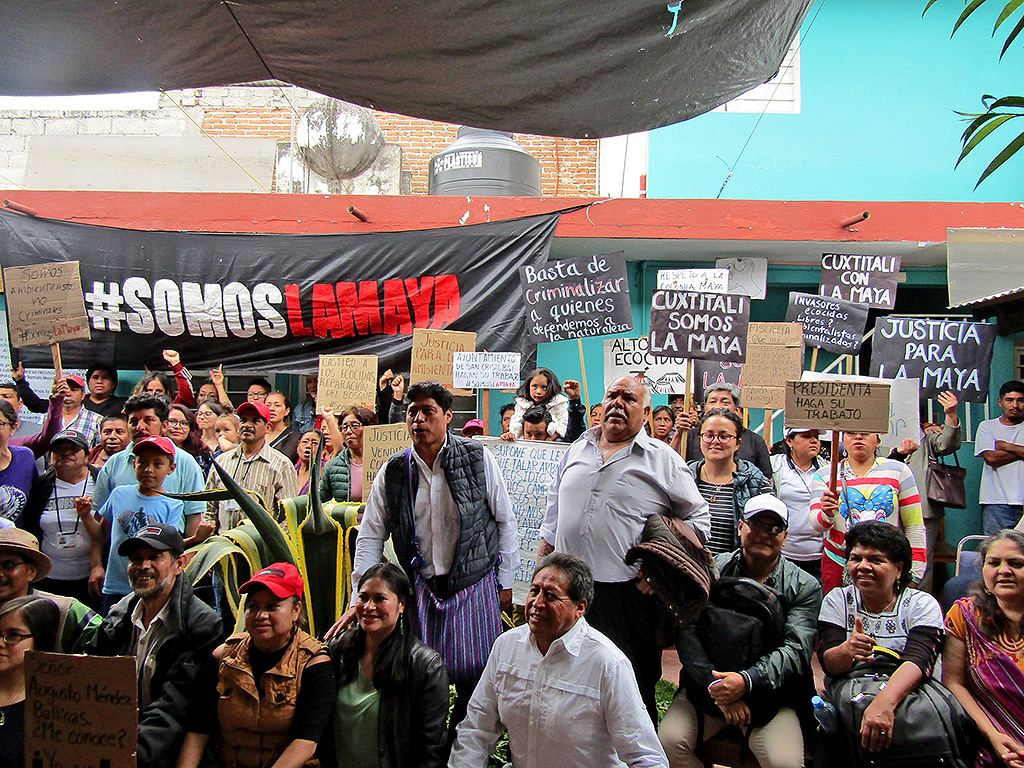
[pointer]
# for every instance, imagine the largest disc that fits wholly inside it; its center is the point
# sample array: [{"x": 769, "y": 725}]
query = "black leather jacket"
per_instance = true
[{"x": 411, "y": 729}]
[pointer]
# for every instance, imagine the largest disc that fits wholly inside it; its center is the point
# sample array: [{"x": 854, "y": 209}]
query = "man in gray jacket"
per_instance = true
[{"x": 760, "y": 698}]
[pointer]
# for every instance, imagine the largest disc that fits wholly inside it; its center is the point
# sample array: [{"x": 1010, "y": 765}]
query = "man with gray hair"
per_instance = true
[
  {"x": 563, "y": 691},
  {"x": 609, "y": 482},
  {"x": 727, "y": 396}
]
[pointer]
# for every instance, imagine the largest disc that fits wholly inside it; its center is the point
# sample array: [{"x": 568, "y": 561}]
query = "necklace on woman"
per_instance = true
[{"x": 719, "y": 487}]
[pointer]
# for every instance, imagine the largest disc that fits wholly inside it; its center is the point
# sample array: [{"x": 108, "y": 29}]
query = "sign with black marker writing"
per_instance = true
[
  {"x": 486, "y": 370},
  {"x": 943, "y": 354},
  {"x": 850, "y": 406},
  {"x": 869, "y": 280},
  {"x": 346, "y": 380},
  {"x": 432, "y": 355},
  {"x": 80, "y": 711},
  {"x": 775, "y": 354},
  {"x": 702, "y": 326},
  {"x": 380, "y": 442},
  {"x": 632, "y": 357},
  {"x": 45, "y": 304},
  {"x": 577, "y": 297},
  {"x": 830, "y": 324},
  {"x": 696, "y": 280}
]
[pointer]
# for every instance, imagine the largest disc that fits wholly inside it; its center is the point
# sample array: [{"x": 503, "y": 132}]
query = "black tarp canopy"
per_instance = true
[{"x": 580, "y": 68}]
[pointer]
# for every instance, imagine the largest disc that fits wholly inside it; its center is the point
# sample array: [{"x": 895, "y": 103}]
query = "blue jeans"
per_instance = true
[{"x": 996, "y": 517}]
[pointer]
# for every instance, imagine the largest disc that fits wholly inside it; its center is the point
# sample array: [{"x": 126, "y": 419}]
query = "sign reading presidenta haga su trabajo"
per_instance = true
[{"x": 702, "y": 326}]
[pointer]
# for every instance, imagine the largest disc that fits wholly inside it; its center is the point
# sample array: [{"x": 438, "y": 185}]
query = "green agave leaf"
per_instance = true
[
  {"x": 208, "y": 554},
  {"x": 980, "y": 135},
  {"x": 273, "y": 537},
  {"x": 1009, "y": 151},
  {"x": 320, "y": 537}
]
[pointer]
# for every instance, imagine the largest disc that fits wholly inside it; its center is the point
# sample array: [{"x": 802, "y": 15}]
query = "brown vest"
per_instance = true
[{"x": 254, "y": 727}]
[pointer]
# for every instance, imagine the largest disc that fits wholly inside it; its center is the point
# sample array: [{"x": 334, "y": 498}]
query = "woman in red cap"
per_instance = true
[{"x": 266, "y": 695}]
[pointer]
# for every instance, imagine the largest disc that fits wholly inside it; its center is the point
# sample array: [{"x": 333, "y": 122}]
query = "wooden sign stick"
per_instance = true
[
  {"x": 58, "y": 369},
  {"x": 834, "y": 471},
  {"x": 814, "y": 358},
  {"x": 583, "y": 368},
  {"x": 769, "y": 417},
  {"x": 687, "y": 405},
  {"x": 487, "y": 411}
]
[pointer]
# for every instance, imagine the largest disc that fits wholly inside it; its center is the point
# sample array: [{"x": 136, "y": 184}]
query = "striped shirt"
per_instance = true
[
  {"x": 268, "y": 473},
  {"x": 723, "y": 516},
  {"x": 888, "y": 492},
  {"x": 88, "y": 423}
]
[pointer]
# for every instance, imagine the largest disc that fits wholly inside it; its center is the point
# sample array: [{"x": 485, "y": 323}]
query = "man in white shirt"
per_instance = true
[
  {"x": 1000, "y": 442},
  {"x": 564, "y": 692}
]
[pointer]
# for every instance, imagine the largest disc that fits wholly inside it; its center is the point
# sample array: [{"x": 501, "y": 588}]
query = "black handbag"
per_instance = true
[
  {"x": 931, "y": 727},
  {"x": 944, "y": 483}
]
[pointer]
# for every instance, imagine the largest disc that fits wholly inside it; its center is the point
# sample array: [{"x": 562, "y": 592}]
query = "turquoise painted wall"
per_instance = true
[{"x": 879, "y": 85}]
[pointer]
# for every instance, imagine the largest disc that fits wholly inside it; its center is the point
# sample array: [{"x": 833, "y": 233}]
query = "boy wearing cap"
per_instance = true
[
  {"x": 782, "y": 676},
  {"x": 130, "y": 508},
  {"x": 168, "y": 630}
]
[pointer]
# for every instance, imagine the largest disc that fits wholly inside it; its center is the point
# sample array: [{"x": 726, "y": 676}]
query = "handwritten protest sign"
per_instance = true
[
  {"x": 380, "y": 442},
  {"x": 943, "y": 354},
  {"x": 708, "y": 372},
  {"x": 775, "y": 355},
  {"x": 696, "y": 280},
  {"x": 486, "y": 370},
  {"x": 869, "y": 280},
  {"x": 577, "y": 297},
  {"x": 830, "y": 324},
  {"x": 45, "y": 304},
  {"x": 347, "y": 380},
  {"x": 632, "y": 357},
  {"x": 703, "y": 326},
  {"x": 80, "y": 711},
  {"x": 904, "y": 398},
  {"x": 432, "y": 353},
  {"x": 748, "y": 275},
  {"x": 528, "y": 468},
  {"x": 838, "y": 405}
]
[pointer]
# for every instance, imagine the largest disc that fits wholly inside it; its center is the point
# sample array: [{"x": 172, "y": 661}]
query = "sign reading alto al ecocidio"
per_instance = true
[
  {"x": 702, "y": 326},
  {"x": 577, "y": 297},
  {"x": 45, "y": 304},
  {"x": 632, "y": 357},
  {"x": 850, "y": 406}
]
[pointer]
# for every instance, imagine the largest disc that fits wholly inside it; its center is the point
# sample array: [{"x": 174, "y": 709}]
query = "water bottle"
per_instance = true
[{"x": 825, "y": 714}]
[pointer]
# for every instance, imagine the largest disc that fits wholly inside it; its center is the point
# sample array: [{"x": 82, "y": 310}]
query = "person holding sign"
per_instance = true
[
  {"x": 540, "y": 388},
  {"x": 26, "y": 624},
  {"x": 1000, "y": 442},
  {"x": 869, "y": 489}
]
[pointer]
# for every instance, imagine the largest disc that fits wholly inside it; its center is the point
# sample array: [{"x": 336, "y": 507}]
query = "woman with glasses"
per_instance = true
[
  {"x": 206, "y": 416},
  {"x": 343, "y": 475},
  {"x": 17, "y": 469},
  {"x": 183, "y": 430},
  {"x": 306, "y": 451},
  {"x": 868, "y": 488},
  {"x": 725, "y": 482},
  {"x": 26, "y": 624}
]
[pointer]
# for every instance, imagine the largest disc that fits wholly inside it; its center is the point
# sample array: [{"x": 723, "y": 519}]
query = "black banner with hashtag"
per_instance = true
[{"x": 280, "y": 301}]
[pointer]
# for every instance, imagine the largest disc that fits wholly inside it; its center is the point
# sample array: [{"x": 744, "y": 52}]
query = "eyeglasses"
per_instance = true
[
  {"x": 10, "y": 565},
  {"x": 772, "y": 528},
  {"x": 12, "y": 638},
  {"x": 6, "y": 424},
  {"x": 722, "y": 437},
  {"x": 350, "y": 427},
  {"x": 177, "y": 423}
]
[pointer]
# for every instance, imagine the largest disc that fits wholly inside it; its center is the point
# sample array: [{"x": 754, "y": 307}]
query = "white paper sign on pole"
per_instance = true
[
  {"x": 486, "y": 370},
  {"x": 696, "y": 280},
  {"x": 748, "y": 276},
  {"x": 631, "y": 357},
  {"x": 904, "y": 395}
]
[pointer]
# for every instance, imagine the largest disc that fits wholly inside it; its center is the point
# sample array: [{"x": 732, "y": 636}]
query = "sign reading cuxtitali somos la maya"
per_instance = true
[
  {"x": 861, "y": 279},
  {"x": 577, "y": 297},
  {"x": 702, "y": 326},
  {"x": 943, "y": 354}
]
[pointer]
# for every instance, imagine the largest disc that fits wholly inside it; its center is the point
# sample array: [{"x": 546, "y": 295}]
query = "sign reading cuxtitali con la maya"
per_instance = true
[
  {"x": 701, "y": 326},
  {"x": 869, "y": 280},
  {"x": 577, "y": 297}
]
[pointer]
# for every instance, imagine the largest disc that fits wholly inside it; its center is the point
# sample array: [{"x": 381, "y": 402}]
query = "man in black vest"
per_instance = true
[{"x": 444, "y": 504}]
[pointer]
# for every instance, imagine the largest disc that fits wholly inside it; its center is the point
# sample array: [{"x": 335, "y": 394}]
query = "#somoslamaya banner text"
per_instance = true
[{"x": 257, "y": 300}]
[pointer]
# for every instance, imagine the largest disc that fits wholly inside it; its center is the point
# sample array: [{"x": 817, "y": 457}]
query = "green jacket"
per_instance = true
[{"x": 337, "y": 480}]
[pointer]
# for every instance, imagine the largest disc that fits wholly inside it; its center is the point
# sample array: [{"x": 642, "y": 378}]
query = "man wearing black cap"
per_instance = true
[
  {"x": 102, "y": 381},
  {"x": 168, "y": 630}
]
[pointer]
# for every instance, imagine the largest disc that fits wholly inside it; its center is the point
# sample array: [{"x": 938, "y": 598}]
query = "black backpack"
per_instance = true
[{"x": 743, "y": 621}]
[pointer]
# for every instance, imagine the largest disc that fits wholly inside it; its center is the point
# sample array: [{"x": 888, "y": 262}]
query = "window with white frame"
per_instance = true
[{"x": 780, "y": 95}]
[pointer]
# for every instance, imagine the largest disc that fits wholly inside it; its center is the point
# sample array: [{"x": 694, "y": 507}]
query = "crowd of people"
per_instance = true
[{"x": 662, "y": 527}]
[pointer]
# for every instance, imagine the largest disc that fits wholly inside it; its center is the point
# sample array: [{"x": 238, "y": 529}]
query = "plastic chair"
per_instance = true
[{"x": 968, "y": 558}]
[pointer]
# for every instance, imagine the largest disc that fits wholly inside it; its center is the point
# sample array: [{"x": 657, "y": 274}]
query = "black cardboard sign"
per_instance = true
[
  {"x": 577, "y": 297},
  {"x": 869, "y": 280},
  {"x": 701, "y": 326},
  {"x": 830, "y": 324},
  {"x": 943, "y": 354}
]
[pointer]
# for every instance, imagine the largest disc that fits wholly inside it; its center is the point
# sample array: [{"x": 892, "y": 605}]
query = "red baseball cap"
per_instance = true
[
  {"x": 260, "y": 408},
  {"x": 162, "y": 444},
  {"x": 282, "y": 579},
  {"x": 78, "y": 380}
]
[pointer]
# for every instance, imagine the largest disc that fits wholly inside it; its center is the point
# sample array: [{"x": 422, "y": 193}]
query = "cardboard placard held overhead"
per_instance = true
[
  {"x": 486, "y": 370},
  {"x": 708, "y": 372},
  {"x": 869, "y": 280},
  {"x": 347, "y": 380},
  {"x": 849, "y": 406},
  {"x": 380, "y": 442},
  {"x": 696, "y": 280},
  {"x": 943, "y": 354},
  {"x": 577, "y": 298},
  {"x": 775, "y": 355},
  {"x": 632, "y": 357},
  {"x": 701, "y": 326},
  {"x": 904, "y": 399},
  {"x": 432, "y": 353},
  {"x": 45, "y": 304},
  {"x": 80, "y": 710},
  {"x": 830, "y": 324}
]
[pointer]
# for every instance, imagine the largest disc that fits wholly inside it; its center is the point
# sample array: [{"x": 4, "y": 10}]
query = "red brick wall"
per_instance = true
[{"x": 568, "y": 166}]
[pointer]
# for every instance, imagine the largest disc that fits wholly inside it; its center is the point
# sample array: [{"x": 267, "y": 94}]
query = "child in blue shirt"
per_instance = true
[{"x": 130, "y": 508}]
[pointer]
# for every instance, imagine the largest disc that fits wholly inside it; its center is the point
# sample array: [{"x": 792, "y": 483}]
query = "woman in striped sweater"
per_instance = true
[{"x": 868, "y": 488}]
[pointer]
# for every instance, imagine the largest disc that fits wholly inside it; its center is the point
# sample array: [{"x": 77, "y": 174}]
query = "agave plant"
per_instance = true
[{"x": 317, "y": 539}]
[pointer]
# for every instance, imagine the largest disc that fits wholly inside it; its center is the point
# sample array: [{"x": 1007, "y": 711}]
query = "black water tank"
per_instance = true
[{"x": 483, "y": 162}]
